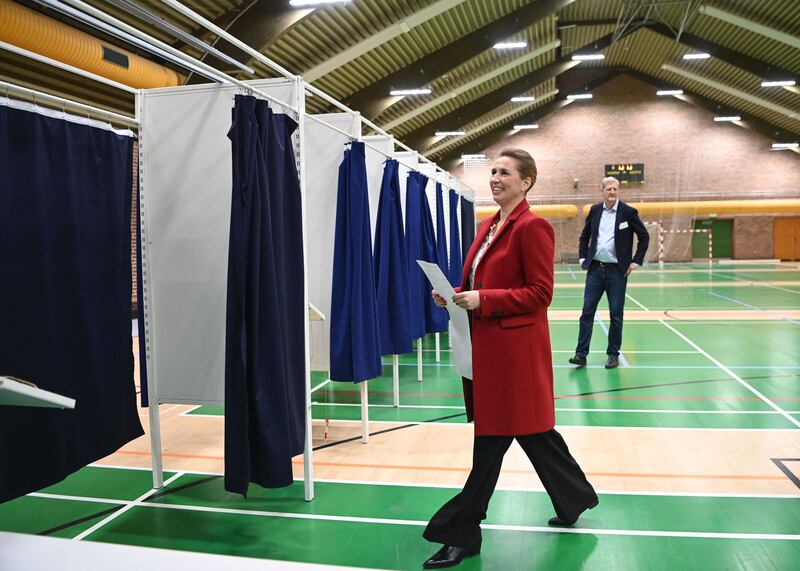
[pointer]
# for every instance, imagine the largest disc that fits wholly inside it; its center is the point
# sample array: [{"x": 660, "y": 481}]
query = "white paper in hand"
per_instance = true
[{"x": 460, "y": 341}]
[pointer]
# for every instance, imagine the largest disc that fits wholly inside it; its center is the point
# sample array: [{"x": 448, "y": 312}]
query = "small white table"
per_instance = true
[{"x": 14, "y": 393}]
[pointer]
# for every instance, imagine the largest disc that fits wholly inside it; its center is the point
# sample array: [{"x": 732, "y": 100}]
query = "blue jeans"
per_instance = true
[{"x": 609, "y": 279}]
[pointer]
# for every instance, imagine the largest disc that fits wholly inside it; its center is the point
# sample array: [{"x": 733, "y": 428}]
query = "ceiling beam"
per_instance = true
[
  {"x": 790, "y": 113},
  {"x": 754, "y": 123},
  {"x": 729, "y": 56},
  {"x": 500, "y": 120},
  {"x": 741, "y": 22},
  {"x": 375, "y": 98},
  {"x": 257, "y": 24},
  {"x": 499, "y": 133},
  {"x": 471, "y": 111},
  {"x": 471, "y": 84},
  {"x": 380, "y": 38}
]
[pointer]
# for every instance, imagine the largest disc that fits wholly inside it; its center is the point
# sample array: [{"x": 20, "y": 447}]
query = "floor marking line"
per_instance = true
[
  {"x": 732, "y": 300},
  {"x": 630, "y": 297},
  {"x": 116, "y": 514},
  {"x": 190, "y": 409},
  {"x": 622, "y": 358},
  {"x": 744, "y": 383},
  {"x": 319, "y": 386},
  {"x": 567, "y": 409},
  {"x": 499, "y": 527}
]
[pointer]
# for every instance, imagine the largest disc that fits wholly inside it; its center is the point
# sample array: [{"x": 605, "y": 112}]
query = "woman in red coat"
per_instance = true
[{"x": 507, "y": 286}]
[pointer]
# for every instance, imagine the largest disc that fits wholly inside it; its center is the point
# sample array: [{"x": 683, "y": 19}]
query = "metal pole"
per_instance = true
[
  {"x": 364, "y": 412},
  {"x": 396, "y": 379}
]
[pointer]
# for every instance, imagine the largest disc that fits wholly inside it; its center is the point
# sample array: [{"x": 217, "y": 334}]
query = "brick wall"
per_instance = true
[
  {"x": 752, "y": 237},
  {"x": 685, "y": 154}
]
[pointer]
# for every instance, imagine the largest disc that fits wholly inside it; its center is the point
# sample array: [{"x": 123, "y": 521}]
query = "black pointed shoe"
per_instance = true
[
  {"x": 579, "y": 360},
  {"x": 613, "y": 362},
  {"x": 449, "y": 556},
  {"x": 558, "y": 522}
]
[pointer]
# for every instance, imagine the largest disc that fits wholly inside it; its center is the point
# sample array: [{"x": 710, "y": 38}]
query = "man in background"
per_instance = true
[{"x": 605, "y": 248}]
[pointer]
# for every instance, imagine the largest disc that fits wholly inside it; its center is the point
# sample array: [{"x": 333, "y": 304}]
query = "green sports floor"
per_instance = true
[{"x": 734, "y": 373}]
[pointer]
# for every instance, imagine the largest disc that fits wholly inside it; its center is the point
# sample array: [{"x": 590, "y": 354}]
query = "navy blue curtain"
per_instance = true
[
  {"x": 265, "y": 339},
  {"x": 391, "y": 266},
  {"x": 441, "y": 231},
  {"x": 435, "y": 316},
  {"x": 456, "y": 263},
  {"x": 355, "y": 338},
  {"x": 467, "y": 227},
  {"x": 65, "y": 295},
  {"x": 418, "y": 290}
]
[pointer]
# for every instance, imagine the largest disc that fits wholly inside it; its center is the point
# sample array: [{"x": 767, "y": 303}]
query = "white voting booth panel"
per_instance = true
[
  {"x": 325, "y": 148},
  {"x": 185, "y": 174},
  {"x": 378, "y": 150},
  {"x": 186, "y": 180}
]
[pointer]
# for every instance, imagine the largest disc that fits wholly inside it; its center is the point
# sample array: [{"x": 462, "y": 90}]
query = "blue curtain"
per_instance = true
[
  {"x": 435, "y": 317},
  {"x": 391, "y": 267},
  {"x": 418, "y": 289},
  {"x": 265, "y": 338},
  {"x": 441, "y": 231},
  {"x": 65, "y": 295},
  {"x": 467, "y": 227},
  {"x": 355, "y": 339},
  {"x": 456, "y": 263}
]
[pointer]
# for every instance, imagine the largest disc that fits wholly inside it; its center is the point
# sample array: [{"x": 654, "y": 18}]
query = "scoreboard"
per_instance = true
[{"x": 626, "y": 173}]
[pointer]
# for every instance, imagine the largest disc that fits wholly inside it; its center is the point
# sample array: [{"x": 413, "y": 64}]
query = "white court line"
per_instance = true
[
  {"x": 744, "y": 383},
  {"x": 420, "y": 485},
  {"x": 758, "y": 284},
  {"x": 636, "y": 302},
  {"x": 165, "y": 411},
  {"x": 733, "y": 300},
  {"x": 622, "y": 358},
  {"x": 187, "y": 411},
  {"x": 419, "y": 523},
  {"x": 630, "y": 352},
  {"x": 322, "y": 384},
  {"x": 572, "y": 274},
  {"x": 128, "y": 506},
  {"x": 500, "y": 527},
  {"x": 542, "y": 490},
  {"x": 560, "y": 409}
]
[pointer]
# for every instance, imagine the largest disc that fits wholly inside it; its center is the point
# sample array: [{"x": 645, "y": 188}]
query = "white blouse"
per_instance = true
[{"x": 481, "y": 251}]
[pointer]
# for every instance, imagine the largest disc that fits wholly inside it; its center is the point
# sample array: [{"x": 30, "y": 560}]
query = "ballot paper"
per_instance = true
[{"x": 460, "y": 341}]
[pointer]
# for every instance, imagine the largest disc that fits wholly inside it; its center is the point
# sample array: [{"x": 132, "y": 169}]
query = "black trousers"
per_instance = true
[{"x": 458, "y": 521}]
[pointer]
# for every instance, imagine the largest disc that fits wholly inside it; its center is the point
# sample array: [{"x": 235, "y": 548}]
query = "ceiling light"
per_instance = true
[
  {"x": 510, "y": 45},
  {"x": 669, "y": 92},
  {"x": 401, "y": 92},
  {"x": 477, "y": 156},
  {"x": 298, "y": 3},
  {"x": 450, "y": 133},
  {"x": 579, "y": 96},
  {"x": 521, "y": 127},
  {"x": 780, "y": 146},
  {"x": 523, "y": 98},
  {"x": 698, "y": 55},
  {"x": 727, "y": 118},
  {"x": 782, "y": 83},
  {"x": 587, "y": 57}
]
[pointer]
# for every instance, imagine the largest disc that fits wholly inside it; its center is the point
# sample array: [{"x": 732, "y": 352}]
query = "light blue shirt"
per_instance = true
[{"x": 606, "y": 250}]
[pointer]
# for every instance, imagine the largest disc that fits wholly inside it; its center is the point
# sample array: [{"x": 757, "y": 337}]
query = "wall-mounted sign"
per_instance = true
[{"x": 626, "y": 172}]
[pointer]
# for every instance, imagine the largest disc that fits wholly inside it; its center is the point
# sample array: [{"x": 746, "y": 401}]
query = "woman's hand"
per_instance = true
[
  {"x": 468, "y": 299},
  {"x": 438, "y": 299}
]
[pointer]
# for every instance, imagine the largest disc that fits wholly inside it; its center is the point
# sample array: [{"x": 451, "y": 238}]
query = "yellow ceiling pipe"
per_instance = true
[
  {"x": 550, "y": 211},
  {"x": 35, "y": 32},
  {"x": 705, "y": 207}
]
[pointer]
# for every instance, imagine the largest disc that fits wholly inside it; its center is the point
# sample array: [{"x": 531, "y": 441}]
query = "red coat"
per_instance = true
[{"x": 512, "y": 390}]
